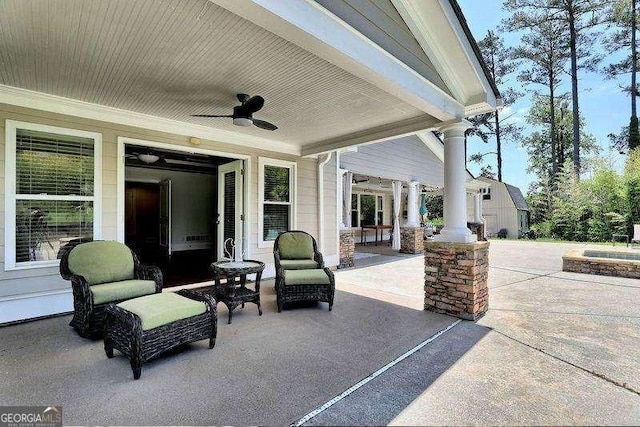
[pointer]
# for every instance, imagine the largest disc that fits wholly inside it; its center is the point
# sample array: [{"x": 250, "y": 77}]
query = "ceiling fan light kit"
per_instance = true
[
  {"x": 243, "y": 113},
  {"x": 148, "y": 158},
  {"x": 242, "y": 121}
]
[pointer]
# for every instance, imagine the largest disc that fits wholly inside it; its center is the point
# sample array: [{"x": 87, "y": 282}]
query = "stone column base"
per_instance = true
[
  {"x": 347, "y": 248},
  {"x": 411, "y": 240},
  {"x": 456, "y": 278},
  {"x": 477, "y": 228}
]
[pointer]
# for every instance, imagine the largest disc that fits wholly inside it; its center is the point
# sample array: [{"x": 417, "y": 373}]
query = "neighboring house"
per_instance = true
[
  {"x": 504, "y": 206},
  {"x": 96, "y": 105}
]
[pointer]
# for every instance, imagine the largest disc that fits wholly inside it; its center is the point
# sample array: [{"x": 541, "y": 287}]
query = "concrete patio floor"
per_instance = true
[{"x": 554, "y": 348}]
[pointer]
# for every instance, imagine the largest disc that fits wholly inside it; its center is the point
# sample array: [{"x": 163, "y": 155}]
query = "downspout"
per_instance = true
[{"x": 321, "y": 164}]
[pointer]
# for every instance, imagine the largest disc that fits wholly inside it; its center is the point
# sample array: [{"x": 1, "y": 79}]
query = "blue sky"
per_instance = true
[{"x": 605, "y": 108}]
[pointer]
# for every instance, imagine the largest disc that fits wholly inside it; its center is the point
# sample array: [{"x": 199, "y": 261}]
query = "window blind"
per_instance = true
[
  {"x": 54, "y": 193},
  {"x": 53, "y": 164},
  {"x": 275, "y": 220}
]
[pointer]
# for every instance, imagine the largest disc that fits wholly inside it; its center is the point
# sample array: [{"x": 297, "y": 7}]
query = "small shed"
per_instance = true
[{"x": 503, "y": 206}]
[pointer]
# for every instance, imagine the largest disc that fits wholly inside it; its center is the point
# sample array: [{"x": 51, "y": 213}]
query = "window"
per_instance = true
[
  {"x": 366, "y": 209},
  {"x": 354, "y": 210},
  {"x": 487, "y": 194},
  {"x": 52, "y": 192},
  {"x": 276, "y": 186}
]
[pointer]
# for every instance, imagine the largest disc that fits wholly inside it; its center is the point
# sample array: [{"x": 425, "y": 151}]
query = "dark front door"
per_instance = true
[{"x": 142, "y": 218}]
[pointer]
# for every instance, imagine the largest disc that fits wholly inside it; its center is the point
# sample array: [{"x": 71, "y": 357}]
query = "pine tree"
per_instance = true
[
  {"x": 545, "y": 56},
  {"x": 578, "y": 18},
  {"x": 501, "y": 64},
  {"x": 623, "y": 38}
]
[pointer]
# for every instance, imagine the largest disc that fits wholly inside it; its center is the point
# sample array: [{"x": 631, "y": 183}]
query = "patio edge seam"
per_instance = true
[{"x": 366, "y": 380}]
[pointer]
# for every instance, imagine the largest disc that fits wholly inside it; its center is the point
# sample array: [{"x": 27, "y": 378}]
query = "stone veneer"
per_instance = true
[
  {"x": 411, "y": 240},
  {"x": 602, "y": 262},
  {"x": 456, "y": 278},
  {"x": 347, "y": 248}
]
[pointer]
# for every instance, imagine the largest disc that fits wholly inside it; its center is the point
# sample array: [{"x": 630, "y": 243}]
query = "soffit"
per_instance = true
[
  {"x": 174, "y": 58},
  {"x": 379, "y": 21}
]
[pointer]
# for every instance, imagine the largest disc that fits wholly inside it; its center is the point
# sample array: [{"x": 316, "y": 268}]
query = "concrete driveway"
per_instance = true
[{"x": 554, "y": 348}]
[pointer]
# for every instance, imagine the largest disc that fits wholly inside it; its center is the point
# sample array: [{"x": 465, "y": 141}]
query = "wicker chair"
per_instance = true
[
  {"x": 300, "y": 271},
  {"x": 101, "y": 273}
]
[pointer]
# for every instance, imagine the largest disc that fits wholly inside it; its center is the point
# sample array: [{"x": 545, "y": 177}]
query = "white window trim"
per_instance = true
[
  {"x": 358, "y": 195},
  {"x": 10, "y": 189},
  {"x": 293, "y": 192}
]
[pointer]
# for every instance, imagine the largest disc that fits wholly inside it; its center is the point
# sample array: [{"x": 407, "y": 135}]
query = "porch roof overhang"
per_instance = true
[{"x": 327, "y": 86}]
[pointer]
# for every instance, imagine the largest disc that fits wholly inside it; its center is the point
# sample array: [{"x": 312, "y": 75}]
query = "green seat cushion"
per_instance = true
[
  {"x": 298, "y": 264},
  {"x": 164, "y": 308},
  {"x": 118, "y": 291},
  {"x": 306, "y": 277},
  {"x": 102, "y": 262},
  {"x": 295, "y": 246}
]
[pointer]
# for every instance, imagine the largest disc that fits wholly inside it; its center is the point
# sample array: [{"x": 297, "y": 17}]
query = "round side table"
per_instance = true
[{"x": 235, "y": 291}]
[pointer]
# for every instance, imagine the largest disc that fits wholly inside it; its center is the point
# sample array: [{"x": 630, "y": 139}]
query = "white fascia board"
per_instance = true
[
  {"x": 419, "y": 16},
  {"x": 369, "y": 136},
  {"x": 473, "y": 59},
  {"x": 57, "y": 104},
  {"x": 318, "y": 31}
]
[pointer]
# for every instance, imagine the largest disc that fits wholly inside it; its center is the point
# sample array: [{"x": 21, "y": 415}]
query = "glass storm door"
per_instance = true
[
  {"x": 165, "y": 215},
  {"x": 230, "y": 209}
]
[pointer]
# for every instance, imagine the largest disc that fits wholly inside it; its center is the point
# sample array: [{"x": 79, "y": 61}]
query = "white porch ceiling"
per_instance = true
[{"x": 174, "y": 58}]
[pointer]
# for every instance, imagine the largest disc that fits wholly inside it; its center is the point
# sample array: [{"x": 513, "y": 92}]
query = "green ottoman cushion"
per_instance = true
[
  {"x": 306, "y": 277},
  {"x": 118, "y": 291},
  {"x": 102, "y": 262},
  {"x": 298, "y": 264},
  {"x": 164, "y": 308},
  {"x": 295, "y": 246}
]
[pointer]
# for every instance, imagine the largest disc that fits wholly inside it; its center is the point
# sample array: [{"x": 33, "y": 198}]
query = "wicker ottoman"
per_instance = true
[
  {"x": 305, "y": 285},
  {"x": 143, "y": 328}
]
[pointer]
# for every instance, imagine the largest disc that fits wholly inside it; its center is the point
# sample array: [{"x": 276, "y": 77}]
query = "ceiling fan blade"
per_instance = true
[
  {"x": 208, "y": 115},
  {"x": 264, "y": 125},
  {"x": 254, "y": 104}
]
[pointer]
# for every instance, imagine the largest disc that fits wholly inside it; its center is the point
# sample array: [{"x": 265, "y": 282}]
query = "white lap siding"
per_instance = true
[{"x": 18, "y": 285}]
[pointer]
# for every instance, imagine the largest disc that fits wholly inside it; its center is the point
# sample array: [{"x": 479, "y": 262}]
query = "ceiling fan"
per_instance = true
[{"x": 243, "y": 113}]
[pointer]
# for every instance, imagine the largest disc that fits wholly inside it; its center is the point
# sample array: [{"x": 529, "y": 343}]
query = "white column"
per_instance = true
[
  {"x": 477, "y": 208},
  {"x": 347, "y": 183},
  {"x": 341, "y": 173},
  {"x": 455, "y": 195},
  {"x": 412, "y": 205}
]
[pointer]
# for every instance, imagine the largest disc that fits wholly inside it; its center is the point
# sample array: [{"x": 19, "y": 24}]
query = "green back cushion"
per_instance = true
[
  {"x": 164, "y": 308},
  {"x": 295, "y": 246},
  {"x": 102, "y": 262}
]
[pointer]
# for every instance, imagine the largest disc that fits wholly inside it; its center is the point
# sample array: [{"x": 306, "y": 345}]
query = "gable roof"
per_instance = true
[
  {"x": 514, "y": 193},
  {"x": 474, "y": 46},
  {"x": 517, "y": 197}
]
